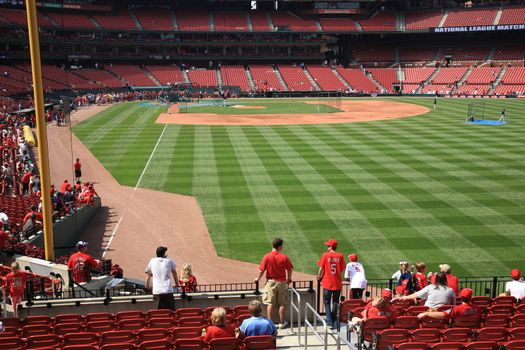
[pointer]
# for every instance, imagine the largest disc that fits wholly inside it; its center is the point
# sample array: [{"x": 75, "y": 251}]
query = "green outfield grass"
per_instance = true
[
  {"x": 423, "y": 188},
  {"x": 283, "y": 106}
]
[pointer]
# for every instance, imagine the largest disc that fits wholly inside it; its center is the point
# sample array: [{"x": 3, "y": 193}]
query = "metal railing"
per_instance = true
[
  {"x": 295, "y": 306},
  {"x": 323, "y": 338}
]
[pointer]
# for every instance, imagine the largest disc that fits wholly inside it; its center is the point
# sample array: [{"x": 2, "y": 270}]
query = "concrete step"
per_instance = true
[
  {"x": 426, "y": 82},
  {"x": 175, "y": 23},
  {"x": 152, "y": 77},
  {"x": 498, "y": 16},
  {"x": 186, "y": 77},
  {"x": 250, "y": 78},
  {"x": 345, "y": 83},
  {"x": 280, "y": 78},
  {"x": 95, "y": 23},
  {"x": 496, "y": 82},
  {"x": 400, "y": 21},
  {"x": 311, "y": 79},
  {"x": 270, "y": 22},
  {"x": 249, "y": 21},
  {"x": 136, "y": 20},
  {"x": 219, "y": 77},
  {"x": 443, "y": 19},
  {"x": 212, "y": 22}
]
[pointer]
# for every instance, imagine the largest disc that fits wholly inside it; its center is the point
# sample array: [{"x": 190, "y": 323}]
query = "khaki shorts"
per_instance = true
[{"x": 275, "y": 293}]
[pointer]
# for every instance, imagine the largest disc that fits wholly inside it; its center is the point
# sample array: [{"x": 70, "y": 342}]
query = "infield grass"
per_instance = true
[
  {"x": 285, "y": 106},
  {"x": 426, "y": 188}
]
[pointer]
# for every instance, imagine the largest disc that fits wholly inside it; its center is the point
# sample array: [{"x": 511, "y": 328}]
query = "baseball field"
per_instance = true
[{"x": 422, "y": 188}]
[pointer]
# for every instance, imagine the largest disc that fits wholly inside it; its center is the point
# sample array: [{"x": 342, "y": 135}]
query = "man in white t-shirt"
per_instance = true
[
  {"x": 355, "y": 272},
  {"x": 163, "y": 271},
  {"x": 516, "y": 287}
]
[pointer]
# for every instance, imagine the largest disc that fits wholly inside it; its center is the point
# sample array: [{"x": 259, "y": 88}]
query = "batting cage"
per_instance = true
[{"x": 478, "y": 113}]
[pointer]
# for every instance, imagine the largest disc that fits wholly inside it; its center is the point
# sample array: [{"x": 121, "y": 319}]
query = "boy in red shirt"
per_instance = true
[
  {"x": 81, "y": 264},
  {"x": 16, "y": 284},
  {"x": 331, "y": 265},
  {"x": 465, "y": 309},
  {"x": 278, "y": 268}
]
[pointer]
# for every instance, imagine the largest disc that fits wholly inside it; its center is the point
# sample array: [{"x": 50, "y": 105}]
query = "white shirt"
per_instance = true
[
  {"x": 4, "y": 218},
  {"x": 355, "y": 272},
  {"x": 161, "y": 270},
  {"x": 516, "y": 289}
]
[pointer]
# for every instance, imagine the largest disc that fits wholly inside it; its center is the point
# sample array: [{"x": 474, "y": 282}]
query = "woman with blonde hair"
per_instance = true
[
  {"x": 187, "y": 281},
  {"x": 218, "y": 328}
]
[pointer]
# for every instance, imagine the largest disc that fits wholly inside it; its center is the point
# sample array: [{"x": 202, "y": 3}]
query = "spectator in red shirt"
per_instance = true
[
  {"x": 25, "y": 182},
  {"x": 81, "y": 263},
  {"x": 218, "y": 328},
  {"x": 331, "y": 265},
  {"x": 420, "y": 278},
  {"x": 452, "y": 281},
  {"x": 65, "y": 186},
  {"x": 187, "y": 281},
  {"x": 465, "y": 309},
  {"x": 32, "y": 210},
  {"x": 16, "y": 284},
  {"x": 78, "y": 170},
  {"x": 379, "y": 307},
  {"x": 278, "y": 268}
]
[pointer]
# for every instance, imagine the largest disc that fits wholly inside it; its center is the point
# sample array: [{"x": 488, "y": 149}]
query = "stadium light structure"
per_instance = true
[{"x": 43, "y": 154}]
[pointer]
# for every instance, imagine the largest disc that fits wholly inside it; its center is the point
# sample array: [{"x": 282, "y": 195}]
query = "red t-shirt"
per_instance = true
[
  {"x": 3, "y": 238},
  {"x": 333, "y": 264},
  {"x": 214, "y": 332},
  {"x": 452, "y": 282},
  {"x": 26, "y": 178},
  {"x": 420, "y": 280},
  {"x": 77, "y": 165},
  {"x": 190, "y": 285},
  {"x": 79, "y": 264},
  {"x": 64, "y": 187},
  {"x": 387, "y": 311},
  {"x": 38, "y": 217},
  {"x": 276, "y": 264},
  {"x": 465, "y": 310},
  {"x": 16, "y": 282}
]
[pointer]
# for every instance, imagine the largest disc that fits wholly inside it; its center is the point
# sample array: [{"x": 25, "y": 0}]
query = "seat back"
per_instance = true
[
  {"x": 481, "y": 301},
  {"x": 426, "y": 335},
  {"x": 68, "y": 318},
  {"x": 260, "y": 342},
  {"x": 229, "y": 343},
  {"x": 189, "y": 344},
  {"x": 495, "y": 320},
  {"x": 36, "y": 329},
  {"x": 115, "y": 337},
  {"x": 494, "y": 334},
  {"x": 412, "y": 346},
  {"x": 502, "y": 309},
  {"x": 99, "y": 326},
  {"x": 515, "y": 345},
  {"x": 416, "y": 310},
  {"x": 43, "y": 341},
  {"x": 517, "y": 333},
  {"x": 388, "y": 337},
  {"x": 517, "y": 320},
  {"x": 126, "y": 315},
  {"x": 470, "y": 321},
  {"x": 457, "y": 334},
  {"x": 349, "y": 305},
  {"x": 80, "y": 347},
  {"x": 151, "y": 334},
  {"x": 507, "y": 300},
  {"x": 188, "y": 312},
  {"x": 98, "y": 316},
  {"x": 65, "y": 328},
  {"x": 11, "y": 343},
  {"x": 374, "y": 325},
  {"x": 406, "y": 322},
  {"x": 38, "y": 320},
  {"x": 119, "y": 346},
  {"x": 155, "y": 345},
  {"x": 447, "y": 346},
  {"x": 186, "y": 332},
  {"x": 131, "y": 324},
  {"x": 241, "y": 310},
  {"x": 161, "y": 313},
  {"x": 84, "y": 338},
  {"x": 162, "y": 322},
  {"x": 429, "y": 322},
  {"x": 481, "y": 345},
  {"x": 192, "y": 321}
]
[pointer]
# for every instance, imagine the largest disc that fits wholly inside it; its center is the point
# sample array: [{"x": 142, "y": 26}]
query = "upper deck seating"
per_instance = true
[
  {"x": 338, "y": 24},
  {"x": 264, "y": 78},
  {"x": 417, "y": 54},
  {"x": 71, "y": 20},
  {"x": 235, "y": 76},
  {"x": 166, "y": 74},
  {"x": 19, "y": 17},
  {"x": 466, "y": 53},
  {"x": 325, "y": 78},
  {"x": 509, "y": 53},
  {"x": 296, "y": 24},
  {"x": 103, "y": 77},
  {"x": 260, "y": 21},
  {"x": 382, "y": 21},
  {"x": 357, "y": 80},
  {"x": 512, "y": 15},
  {"x": 132, "y": 74},
  {"x": 193, "y": 21},
  {"x": 295, "y": 78},
  {"x": 230, "y": 21},
  {"x": 419, "y": 20},
  {"x": 374, "y": 54},
  {"x": 122, "y": 20},
  {"x": 470, "y": 17},
  {"x": 155, "y": 18}
]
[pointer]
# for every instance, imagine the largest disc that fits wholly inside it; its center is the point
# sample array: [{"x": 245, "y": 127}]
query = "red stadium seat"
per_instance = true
[
  {"x": 99, "y": 326},
  {"x": 162, "y": 313},
  {"x": 151, "y": 334},
  {"x": 12, "y": 322},
  {"x": 12, "y": 343},
  {"x": 373, "y": 325},
  {"x": 387, "y": 338},
  {"x": 405, "y": 304},
  {"x": 230, "y": 343},
  {"x": 519, "y": 309},
  {"x": 495, "y": 334},
  {"x": 188, "y": 312},
  {"x": 471, "y": 321},
  {"x": 349, "y": 305},
  {"x": 241, "y": 310},
  {"x": 517, "y": 320},
  {"x": 416, "y": 310},
  {"x": 10, "y": 332},
  {"x": 412, "y": 346},
  {"x": 162, "y": 323},
  {"x": 85, "y": 338},
  {"x": 69, "y": 318},
  {"x": 126, "y": 315},
  {"x": 481, "y": 301},
  {"x": 463, "y": 335},
  {"x": 186, "y": 332},
  {"x": 495, "y": 320},
  {"x": 80, "y": 347},
  {"x": 43, "y": 341},
  {"x": 429, "y": 322},
  {"x": 502, "y": 309},
  {"x": 117, "y": 337},
  {"x": 406, "y": 322},
  {"x": 98, "y": 316},
  {"x": 507, "y": 300},
  {"x": 195, "y": 321},
  {"x": 38, "y": 320},
  {"x": 241, "y": 318},
  {"x": 514, "y": 345},
  {"x": 447, "y": 346},
  {"x": 426, "y": 335},
  {"x": 131, "y": 324},
  {"x": 190, "y": 344},
  {"x": 259, "y": 342},
  {"x": 155, "y": 345},
  {"x": 481, "y": 345},
  {"x": 119, "y": 346},
  {"x": 37, "y": 329},
  {"x": 65, "y": 328},
  {"x": 517, "y": 333}
]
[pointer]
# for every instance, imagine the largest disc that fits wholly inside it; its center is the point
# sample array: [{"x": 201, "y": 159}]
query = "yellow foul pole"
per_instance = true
[{"x": 43, "y": 155}]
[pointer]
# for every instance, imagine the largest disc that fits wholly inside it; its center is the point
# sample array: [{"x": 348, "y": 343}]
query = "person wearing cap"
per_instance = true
[
  {"x": 516, "y": 287},
  {"x": 164, "y": 274},
  {"x": 355, "y": 272},
  {"x": 331, "y": 265},
  {"x": 81, "y": 263},
  {"x": 452, "y": 281},
  {"x": 380, "y": 306},
  {"x": 466, "y": 309},
  {"x": 436, "y": 294},
  {"x": 278, "y": 269},
  {"x": 404, "y": 279}
]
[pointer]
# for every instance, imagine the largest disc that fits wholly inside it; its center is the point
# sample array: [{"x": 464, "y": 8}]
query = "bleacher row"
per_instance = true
[
  {"x": 156, "y": 19},
  {"x": 425, "y": 80},
  {"x": 155, "y": 329},
  {"x": 502, "y": 324}
]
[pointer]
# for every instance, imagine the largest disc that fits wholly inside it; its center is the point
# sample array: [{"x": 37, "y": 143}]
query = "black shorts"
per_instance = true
[
  {"x": 164, "y": 301},
  {"x": 78, "y": 173}
]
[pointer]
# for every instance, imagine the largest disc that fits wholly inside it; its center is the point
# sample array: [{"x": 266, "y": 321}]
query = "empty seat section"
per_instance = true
[
  {"x": 19, "y": 17},
  {"x": 357, "y": 80},
  {"x": 72, "y": 20},
  {"x": 483, "y": 75},
  {"x": 386, "y": 77},
  {"x": 132, "y": 74},
  {"x": 155, "y": 18},
  {"x": 374, "y": 54},
  {"x": 472, "y": 89},
  {"x": 466, "y": 53},
  {"x": 235, "y": 76},
  {"x": 512, "y": 15},
  {"x": 442, "y": 89},
  {"x": 166, "y": 74},
  {"x": 471, "y": 17},
  {"x": 122, "y": 20},
  {"x": 325, "y": 78},
  {"x": 414, "y": 54},
  {"x": 293, "y": 22},
  {"x": 103, "y": 77},
  {"x": 449, "y": 75},
  {"x": 410, "y": 88},
  {"x": 509, "y": 53},
  {"x": 193, "y": 21},
  {"x": 338, "y": 24},
  {"x": 230, "y": 21},
  {"x": 295, "y": 79},
  {"x": 422, "y": 20},
  {"x": 264, "y": 78},
  {"x": 260, "y": 21},
  {"x": 382, "y": 21},
  {"x": 514, "y": 75},
  {"x": 510, "y": 90},
  {"x": 203, "y": 77},
  {"x": 66, "y": 77},
  {"x": 417, "y": 75}
]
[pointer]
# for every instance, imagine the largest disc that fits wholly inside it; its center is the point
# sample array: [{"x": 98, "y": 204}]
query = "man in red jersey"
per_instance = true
[
  {"x": 278, "y": 268},
  {"x": 465, "y": 309},
  {"x": 81, "y": 263},
  {"x": 452, "y": 280},
  {"x": 16, "y": 284},
  {"x": 331, "y": 265}
]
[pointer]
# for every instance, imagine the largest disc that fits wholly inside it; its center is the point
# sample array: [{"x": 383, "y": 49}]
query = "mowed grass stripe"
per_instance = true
[
  {"x": 271, "y": 206},
  {"x": 380, "y": 214},
  {"x": 180, "y": 167}
]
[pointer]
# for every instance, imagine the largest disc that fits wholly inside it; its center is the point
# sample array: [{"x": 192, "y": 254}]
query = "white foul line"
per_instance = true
[{"x": 106, "y": 248}]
